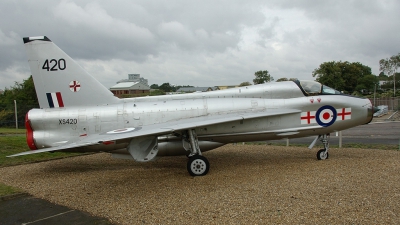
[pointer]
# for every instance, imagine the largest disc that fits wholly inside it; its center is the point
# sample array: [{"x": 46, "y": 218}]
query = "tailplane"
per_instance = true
[{"x": 59, "y": 80}]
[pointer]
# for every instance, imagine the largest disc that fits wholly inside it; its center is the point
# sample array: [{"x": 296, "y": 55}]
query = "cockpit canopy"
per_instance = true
[{"x": 315, "y": 88}]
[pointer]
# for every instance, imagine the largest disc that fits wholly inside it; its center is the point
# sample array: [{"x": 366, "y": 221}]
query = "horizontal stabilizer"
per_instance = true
[{"x": 52, "y": 149}]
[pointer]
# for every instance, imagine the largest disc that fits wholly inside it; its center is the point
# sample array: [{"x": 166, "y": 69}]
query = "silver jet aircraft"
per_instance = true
[{"x": 78, "y": 114}]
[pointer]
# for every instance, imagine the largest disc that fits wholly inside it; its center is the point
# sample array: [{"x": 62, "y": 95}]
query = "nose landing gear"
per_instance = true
[{"x": 322, "y": 153}]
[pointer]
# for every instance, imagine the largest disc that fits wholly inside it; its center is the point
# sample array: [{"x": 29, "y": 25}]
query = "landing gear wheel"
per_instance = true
[
  {"x": 198, "y": 165},
  {"x": 322, "y": 154}
]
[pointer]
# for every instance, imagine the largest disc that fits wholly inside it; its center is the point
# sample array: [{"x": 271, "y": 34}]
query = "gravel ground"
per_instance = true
[{"x": 246, "y": 184}]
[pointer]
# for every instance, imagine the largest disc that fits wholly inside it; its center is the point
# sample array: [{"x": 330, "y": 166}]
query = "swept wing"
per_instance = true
[{"x": 161, "y": 129}]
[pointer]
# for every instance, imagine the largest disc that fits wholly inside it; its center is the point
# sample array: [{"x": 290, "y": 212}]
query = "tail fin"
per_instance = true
[{"x": 59, "y": 80}]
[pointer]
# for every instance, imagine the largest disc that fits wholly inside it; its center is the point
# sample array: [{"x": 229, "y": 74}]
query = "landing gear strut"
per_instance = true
[
  {"x": 323, "y": 153},
  {"x": 197, "y": 164}
]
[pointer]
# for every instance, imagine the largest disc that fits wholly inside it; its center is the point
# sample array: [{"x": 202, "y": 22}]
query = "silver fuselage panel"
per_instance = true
[{"x": 55, "y": 126}]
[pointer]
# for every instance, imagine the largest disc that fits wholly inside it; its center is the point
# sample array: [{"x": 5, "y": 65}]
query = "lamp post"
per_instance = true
[
  {"x": 394, "y": 83},
  {"x": 374, "y": 94},
  {"x": 16, "y": 114}
]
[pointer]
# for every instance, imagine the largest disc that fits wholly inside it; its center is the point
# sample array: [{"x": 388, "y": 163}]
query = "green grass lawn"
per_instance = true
[
  {"x": 14, "y": 141},
  {"x": 7, "y": 190},
  {"x": 4, "y": 131},
  {"x": 12, "y": 144}
]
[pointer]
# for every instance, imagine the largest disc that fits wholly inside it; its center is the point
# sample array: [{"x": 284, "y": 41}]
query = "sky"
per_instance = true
[{"x": 200, "y": 43}]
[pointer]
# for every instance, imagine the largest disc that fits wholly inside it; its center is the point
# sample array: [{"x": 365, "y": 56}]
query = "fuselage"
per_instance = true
[{"x": 55, "y": 126}]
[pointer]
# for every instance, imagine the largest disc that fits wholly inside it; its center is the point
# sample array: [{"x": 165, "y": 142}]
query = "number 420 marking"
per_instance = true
[{"x": 54, "y": 65}]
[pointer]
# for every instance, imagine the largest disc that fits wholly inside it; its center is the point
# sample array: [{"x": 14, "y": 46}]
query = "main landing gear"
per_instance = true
[
  {"x": 197, "y": 164},
  {"x": 323, "y": 153}
]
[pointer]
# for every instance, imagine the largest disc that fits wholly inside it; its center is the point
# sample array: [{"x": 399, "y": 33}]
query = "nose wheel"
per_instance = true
[{"x": 322, "y": 154}]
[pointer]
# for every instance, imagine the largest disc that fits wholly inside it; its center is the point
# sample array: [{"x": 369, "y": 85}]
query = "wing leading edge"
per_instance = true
[{"x": 125, "y": 134}]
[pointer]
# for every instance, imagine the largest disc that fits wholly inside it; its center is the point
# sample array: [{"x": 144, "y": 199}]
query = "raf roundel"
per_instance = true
[
  {"x": 74, "y": 86},
  {"x": 326, "y": 116},
  {"x": 124, "y": 130}
]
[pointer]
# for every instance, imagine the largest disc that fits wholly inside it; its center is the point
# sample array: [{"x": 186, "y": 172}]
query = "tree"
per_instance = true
[
  {"x": 175, "y": 88},
  {"x": 246, "y": 83},
  {"x": 343, "y": 76},
  {"x": 352, "y": 73},
  {"x": 383, "y": 76},
  {"x": 24, "y": 92},
  {"x": 282, "y": 79},
  {"x": 154, "y": 86},
  {"x": 388, "y": 82},
  {"x": 166, "y": 87},
  {"x": 262, "y": 77},
  {"x": 367, "y": 83},
  {"x": 285, "y": 79},
  {"x": 25, "y": 95},
  {"x": 329, "y": 74},
  {"x": 389, "y": 66}
]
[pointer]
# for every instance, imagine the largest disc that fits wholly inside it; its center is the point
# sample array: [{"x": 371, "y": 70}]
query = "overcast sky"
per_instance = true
[{"x": 200, "y": 43}]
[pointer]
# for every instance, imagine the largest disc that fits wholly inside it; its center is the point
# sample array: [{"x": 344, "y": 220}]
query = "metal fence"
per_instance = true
[
  {"x": 392, "y": 103},
  {"x": 7, "y": 114},
  {"x": 11, "y": 124}
]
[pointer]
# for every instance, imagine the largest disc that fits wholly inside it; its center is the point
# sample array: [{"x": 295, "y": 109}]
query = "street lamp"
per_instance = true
[
  {"x": 16, "y": 114},
  {"x": 374, "y": 94}
]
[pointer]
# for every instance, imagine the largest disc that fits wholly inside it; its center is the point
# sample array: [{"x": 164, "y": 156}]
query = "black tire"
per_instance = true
[
  {"x": 321, "y": 155},
  {"x": 198, "y": 165}
]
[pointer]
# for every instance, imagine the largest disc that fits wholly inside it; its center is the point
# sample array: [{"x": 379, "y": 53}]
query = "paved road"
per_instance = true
[
  {"x": 25, "y": 209},
  {"x": 374, "y": 133}
]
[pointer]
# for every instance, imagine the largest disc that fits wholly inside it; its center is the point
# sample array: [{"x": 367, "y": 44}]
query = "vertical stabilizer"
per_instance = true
[{"x": 59, "y": 80}]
